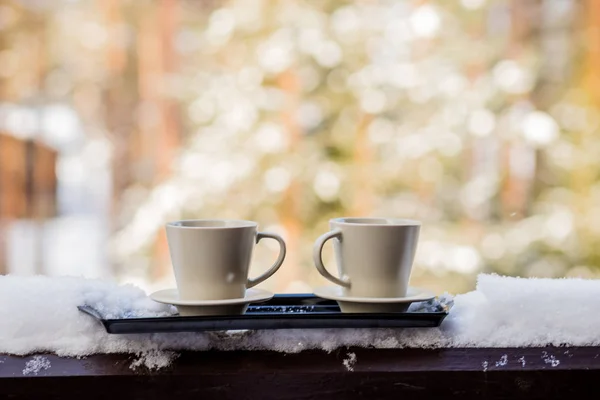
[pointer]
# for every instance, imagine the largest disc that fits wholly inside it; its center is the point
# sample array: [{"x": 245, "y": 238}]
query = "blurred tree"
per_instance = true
[{"x": 476, "y": 116}]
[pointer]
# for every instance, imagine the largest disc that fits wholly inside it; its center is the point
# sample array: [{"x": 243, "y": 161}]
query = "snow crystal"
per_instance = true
[
  {"x": 550, "y": 359},
  {"x": 35, "y": 365},
  {"x": 153, "y": 359},
  {"x": 484, "y": 365},
  {"x": 350, "y": 361},
  {"x": 503, "y": 361},
  {"x": 40, "y": 315}
]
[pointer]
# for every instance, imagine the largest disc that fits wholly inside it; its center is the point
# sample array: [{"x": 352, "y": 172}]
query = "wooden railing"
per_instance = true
[
  {"x": 27, "y": 183},
  {"x": 524, "y": 373}
]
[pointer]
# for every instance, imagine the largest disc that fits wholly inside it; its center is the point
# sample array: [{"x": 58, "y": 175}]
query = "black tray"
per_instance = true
[{"x": 283, "y": 311}]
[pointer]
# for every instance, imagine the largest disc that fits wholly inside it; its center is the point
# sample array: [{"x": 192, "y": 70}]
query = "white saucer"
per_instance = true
[
  {"x": 350, "y": 304},
  {"x": 211, "y": 307}
]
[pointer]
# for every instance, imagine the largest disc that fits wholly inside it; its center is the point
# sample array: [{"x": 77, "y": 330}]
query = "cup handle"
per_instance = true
[
  {"x": 274, "y": 267},
  {"x": 318, "y": 259}
]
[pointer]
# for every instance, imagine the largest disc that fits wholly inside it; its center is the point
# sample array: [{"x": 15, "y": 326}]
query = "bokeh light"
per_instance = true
[{"x": 469, "y": 115}]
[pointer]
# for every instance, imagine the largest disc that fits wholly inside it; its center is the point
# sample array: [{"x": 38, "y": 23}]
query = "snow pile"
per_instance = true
[
  {"x": 39, "y": 315},
  {"x": 517, "y": 312}
]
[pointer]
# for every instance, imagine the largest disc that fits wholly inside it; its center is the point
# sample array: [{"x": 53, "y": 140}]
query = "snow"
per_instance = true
[
  {"x": 349, "y": 362},
  {"x": 36, "y": 364},
  {"x": 503, "y": 361},
  {"x": 153, "y": 359},
  {"x": 550, "y": 359},
  {"x": 39, "y": 315},
  {"x": 517, "y": 312}
]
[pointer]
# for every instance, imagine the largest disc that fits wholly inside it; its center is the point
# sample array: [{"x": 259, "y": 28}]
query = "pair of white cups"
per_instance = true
[{"x": 211, "y": 258}]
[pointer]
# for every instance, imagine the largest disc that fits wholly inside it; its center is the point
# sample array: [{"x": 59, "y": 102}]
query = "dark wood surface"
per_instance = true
[{"x": 378, "y": 374}]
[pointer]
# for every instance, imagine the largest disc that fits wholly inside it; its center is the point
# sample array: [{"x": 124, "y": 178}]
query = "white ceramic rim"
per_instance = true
[
  {"x": 335, "y": 293},
  {"x": 383, "y": 221},
  {"x": 171, "y": 296},
  {"x": 229, "y": 224}
]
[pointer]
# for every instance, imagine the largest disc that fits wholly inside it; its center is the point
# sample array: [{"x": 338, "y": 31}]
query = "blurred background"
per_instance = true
[{"x": 478, "y": 117}]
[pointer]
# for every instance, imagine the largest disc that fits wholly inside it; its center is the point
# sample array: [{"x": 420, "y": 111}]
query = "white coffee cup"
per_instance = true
[
  {"x": 374, "y": 255},
  {"x": 211, "y": 258}
]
